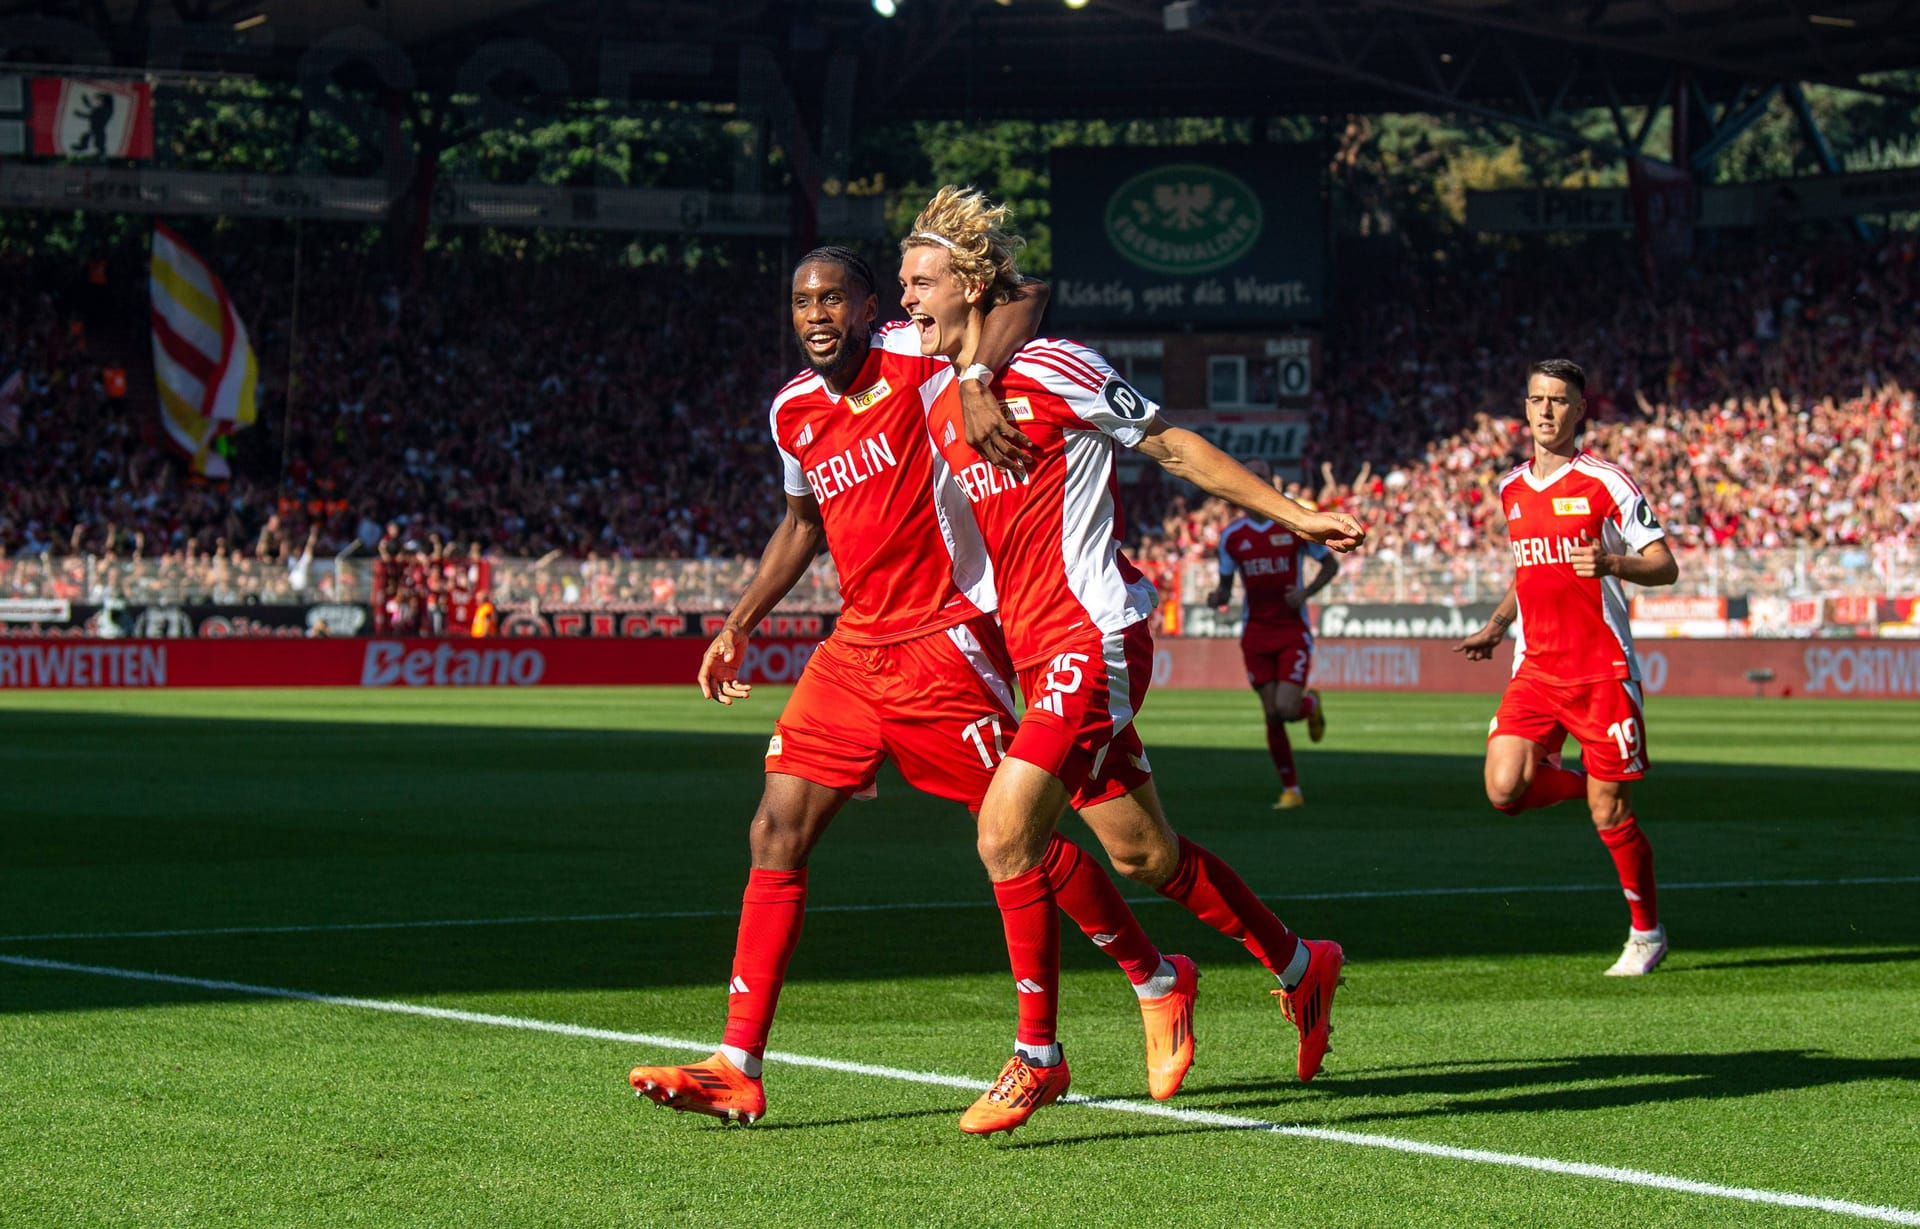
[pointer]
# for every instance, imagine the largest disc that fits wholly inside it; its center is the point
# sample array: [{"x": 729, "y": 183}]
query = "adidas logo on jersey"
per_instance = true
[
  {"x": 805, "y": 437},
  {"x": 948, "y": 436},
  {"x": 1513, "y": 513}
]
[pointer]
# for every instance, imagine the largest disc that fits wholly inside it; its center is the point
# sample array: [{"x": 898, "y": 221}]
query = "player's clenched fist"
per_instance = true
[
  {"x": 720, "y": 668},
  {"x": 991, "y": 432},
  {"x": 1335, "y": 530}
]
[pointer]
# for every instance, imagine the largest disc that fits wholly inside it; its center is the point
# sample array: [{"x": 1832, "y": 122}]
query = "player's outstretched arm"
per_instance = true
[
  {"x": 1005, "y": 329},
  {"x": 1186, "y": 455},
  {"x": 788, "y": 554},
  {"x": 1480, "y": 645},
  {"x": 1653, "y": 566}
]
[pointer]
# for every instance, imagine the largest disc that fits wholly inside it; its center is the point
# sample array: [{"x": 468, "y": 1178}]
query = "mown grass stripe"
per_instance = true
[
  {"x": 910, "y": 906},
  {"x": 1480, "y": 1156}
]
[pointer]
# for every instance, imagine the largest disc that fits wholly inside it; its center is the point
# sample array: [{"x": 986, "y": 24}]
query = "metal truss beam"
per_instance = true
[
  {"x": 1735, "y": 119},
  {"x": 1675, "y": 51},
  {"x": 1366, "y": 66},
  {"x": 1810, "y": 126}
]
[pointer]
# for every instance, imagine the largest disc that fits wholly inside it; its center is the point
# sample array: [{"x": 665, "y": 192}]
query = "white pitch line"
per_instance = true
[
  {"x": 910, "y": 906},
  {"x": 1149, "y": 1109}
]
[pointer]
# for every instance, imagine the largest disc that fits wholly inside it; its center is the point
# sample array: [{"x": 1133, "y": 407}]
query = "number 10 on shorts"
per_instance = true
[{"x": 979, "y": 732}]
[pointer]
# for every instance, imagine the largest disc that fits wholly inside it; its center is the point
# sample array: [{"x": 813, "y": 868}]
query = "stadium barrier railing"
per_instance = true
[{"x": 1889, "y": 570}]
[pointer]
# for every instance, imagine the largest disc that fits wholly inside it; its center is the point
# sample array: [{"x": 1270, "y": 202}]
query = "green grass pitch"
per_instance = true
[{"x": 301, "y": 841}]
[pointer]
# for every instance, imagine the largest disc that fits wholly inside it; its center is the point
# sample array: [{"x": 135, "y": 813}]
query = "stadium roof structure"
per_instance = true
[{"x": 1525, "y": 62}]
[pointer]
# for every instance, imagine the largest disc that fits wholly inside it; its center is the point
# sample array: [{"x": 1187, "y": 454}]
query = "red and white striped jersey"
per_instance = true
[
  {"x": 909, "y": 556},
  {"x": 1268, "y": 558},
  {"x": 1570, "y": 629},
  {"x": 1054, "y": 535}
]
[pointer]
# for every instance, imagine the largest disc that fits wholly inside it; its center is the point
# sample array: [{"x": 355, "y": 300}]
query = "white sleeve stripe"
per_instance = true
[
  {"x": 803, "y": 385},
  {"x": 1069, "y": 359},
  {"x": 1619, "y": 486},
  {"x": 1036, "y": 361}
]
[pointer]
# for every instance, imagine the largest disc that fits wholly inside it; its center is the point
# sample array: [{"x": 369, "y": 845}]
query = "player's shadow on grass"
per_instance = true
[
  {"x": 1115, "y": 1136},
  {"x": 329, "y": 830},
  {"x": 810, "y": 1124},
  {"x": 1610, "y": 1081}
]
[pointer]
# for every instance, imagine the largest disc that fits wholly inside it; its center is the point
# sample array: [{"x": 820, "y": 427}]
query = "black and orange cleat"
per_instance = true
[
  {"x": 1309, "y": 1005},
  {"x": 715, "y": 1087},
  {"x": 1020, "y": 1090},
  {"x": 1169, "y": 1024}
]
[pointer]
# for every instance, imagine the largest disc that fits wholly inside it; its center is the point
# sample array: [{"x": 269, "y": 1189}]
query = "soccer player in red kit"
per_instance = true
[
  {"x": 913, "y": 670},
  {"x": 1577, "y": 527},
  {"x": 1075, "y": 612},
  {"x": 1275, "y": 641}
]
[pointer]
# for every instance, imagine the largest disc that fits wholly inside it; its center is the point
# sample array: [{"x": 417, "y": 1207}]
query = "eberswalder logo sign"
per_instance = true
[{"x": 1184, "y": 219}]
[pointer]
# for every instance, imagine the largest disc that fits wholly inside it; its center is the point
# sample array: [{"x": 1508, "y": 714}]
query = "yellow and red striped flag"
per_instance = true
[{"x": 202, "y": 362}]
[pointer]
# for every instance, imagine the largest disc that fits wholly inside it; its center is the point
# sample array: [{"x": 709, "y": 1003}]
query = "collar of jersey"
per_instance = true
[
  {"x": 860, "y": 384},
  {"x": 1526, "y": 474}
]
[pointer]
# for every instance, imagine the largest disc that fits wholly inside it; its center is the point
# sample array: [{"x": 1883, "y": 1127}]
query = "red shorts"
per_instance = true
[
  {"x": 940, "y": 705},
  {"x": 1079, "y": 719},
  {"x": 1278, "y": 657},
  {"x": 1604, "y": 717}
]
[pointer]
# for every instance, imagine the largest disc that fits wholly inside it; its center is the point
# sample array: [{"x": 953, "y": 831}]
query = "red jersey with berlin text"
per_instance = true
[
  {"x": 1572, "y": 629},
  {"x": 1268, "y": 558},
  {"x": 885, "y": 499},
  {"x": 1054, "y": 535}
]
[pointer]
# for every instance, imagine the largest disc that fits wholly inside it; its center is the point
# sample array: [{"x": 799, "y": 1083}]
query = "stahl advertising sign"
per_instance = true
[{"x": 1165, "y": 237}]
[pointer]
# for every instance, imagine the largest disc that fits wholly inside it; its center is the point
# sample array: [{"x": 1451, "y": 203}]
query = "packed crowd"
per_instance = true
[
  {"x": 506, "y": 407},
  {"x": 570, "y": 409},
  {"x": 1768, "y": 404}
]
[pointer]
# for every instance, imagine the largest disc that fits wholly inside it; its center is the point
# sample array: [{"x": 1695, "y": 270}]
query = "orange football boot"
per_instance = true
[
  {"x": 1309, "y": 1005},
  {"x": 715, "y": 1087},
  {"x": 1317, "y": 719},
  {"x": 1169, "y": 1023},
  {"x": 1020, "y": 1090}
]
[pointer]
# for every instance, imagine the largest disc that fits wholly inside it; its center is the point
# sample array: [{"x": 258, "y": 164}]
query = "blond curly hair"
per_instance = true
[{"x": 973, "y": 230}]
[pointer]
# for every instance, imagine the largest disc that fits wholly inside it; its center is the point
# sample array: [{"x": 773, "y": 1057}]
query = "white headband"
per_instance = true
[{"x": 942, "y": 240}]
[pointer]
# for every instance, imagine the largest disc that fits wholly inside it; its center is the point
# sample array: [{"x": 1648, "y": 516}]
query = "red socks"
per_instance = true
[
  {"x": 1087, "y": 895},
  {"x": 1210, "y": 890},
  {"x": 1550, "y": 785},
  {"x": 771, "y": 911},
  {"x": 1033, "y": 948},
  {"x": 1281, "y": 749},
  {"x": 1633, "y": 858}
]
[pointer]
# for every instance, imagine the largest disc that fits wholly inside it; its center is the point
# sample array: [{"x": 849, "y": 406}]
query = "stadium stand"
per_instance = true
[{"x": 571, "y": 411}]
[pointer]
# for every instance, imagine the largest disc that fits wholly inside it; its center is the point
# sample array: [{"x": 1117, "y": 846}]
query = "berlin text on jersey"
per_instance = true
[
  {"x": 1530, "y": 551},
  {"x": 851, "y": 468}
]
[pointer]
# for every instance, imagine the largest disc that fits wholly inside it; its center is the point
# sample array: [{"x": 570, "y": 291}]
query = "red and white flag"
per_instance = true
[
  {"x": 92, "y": 119},
  {"x": 202, "y": 360}
]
